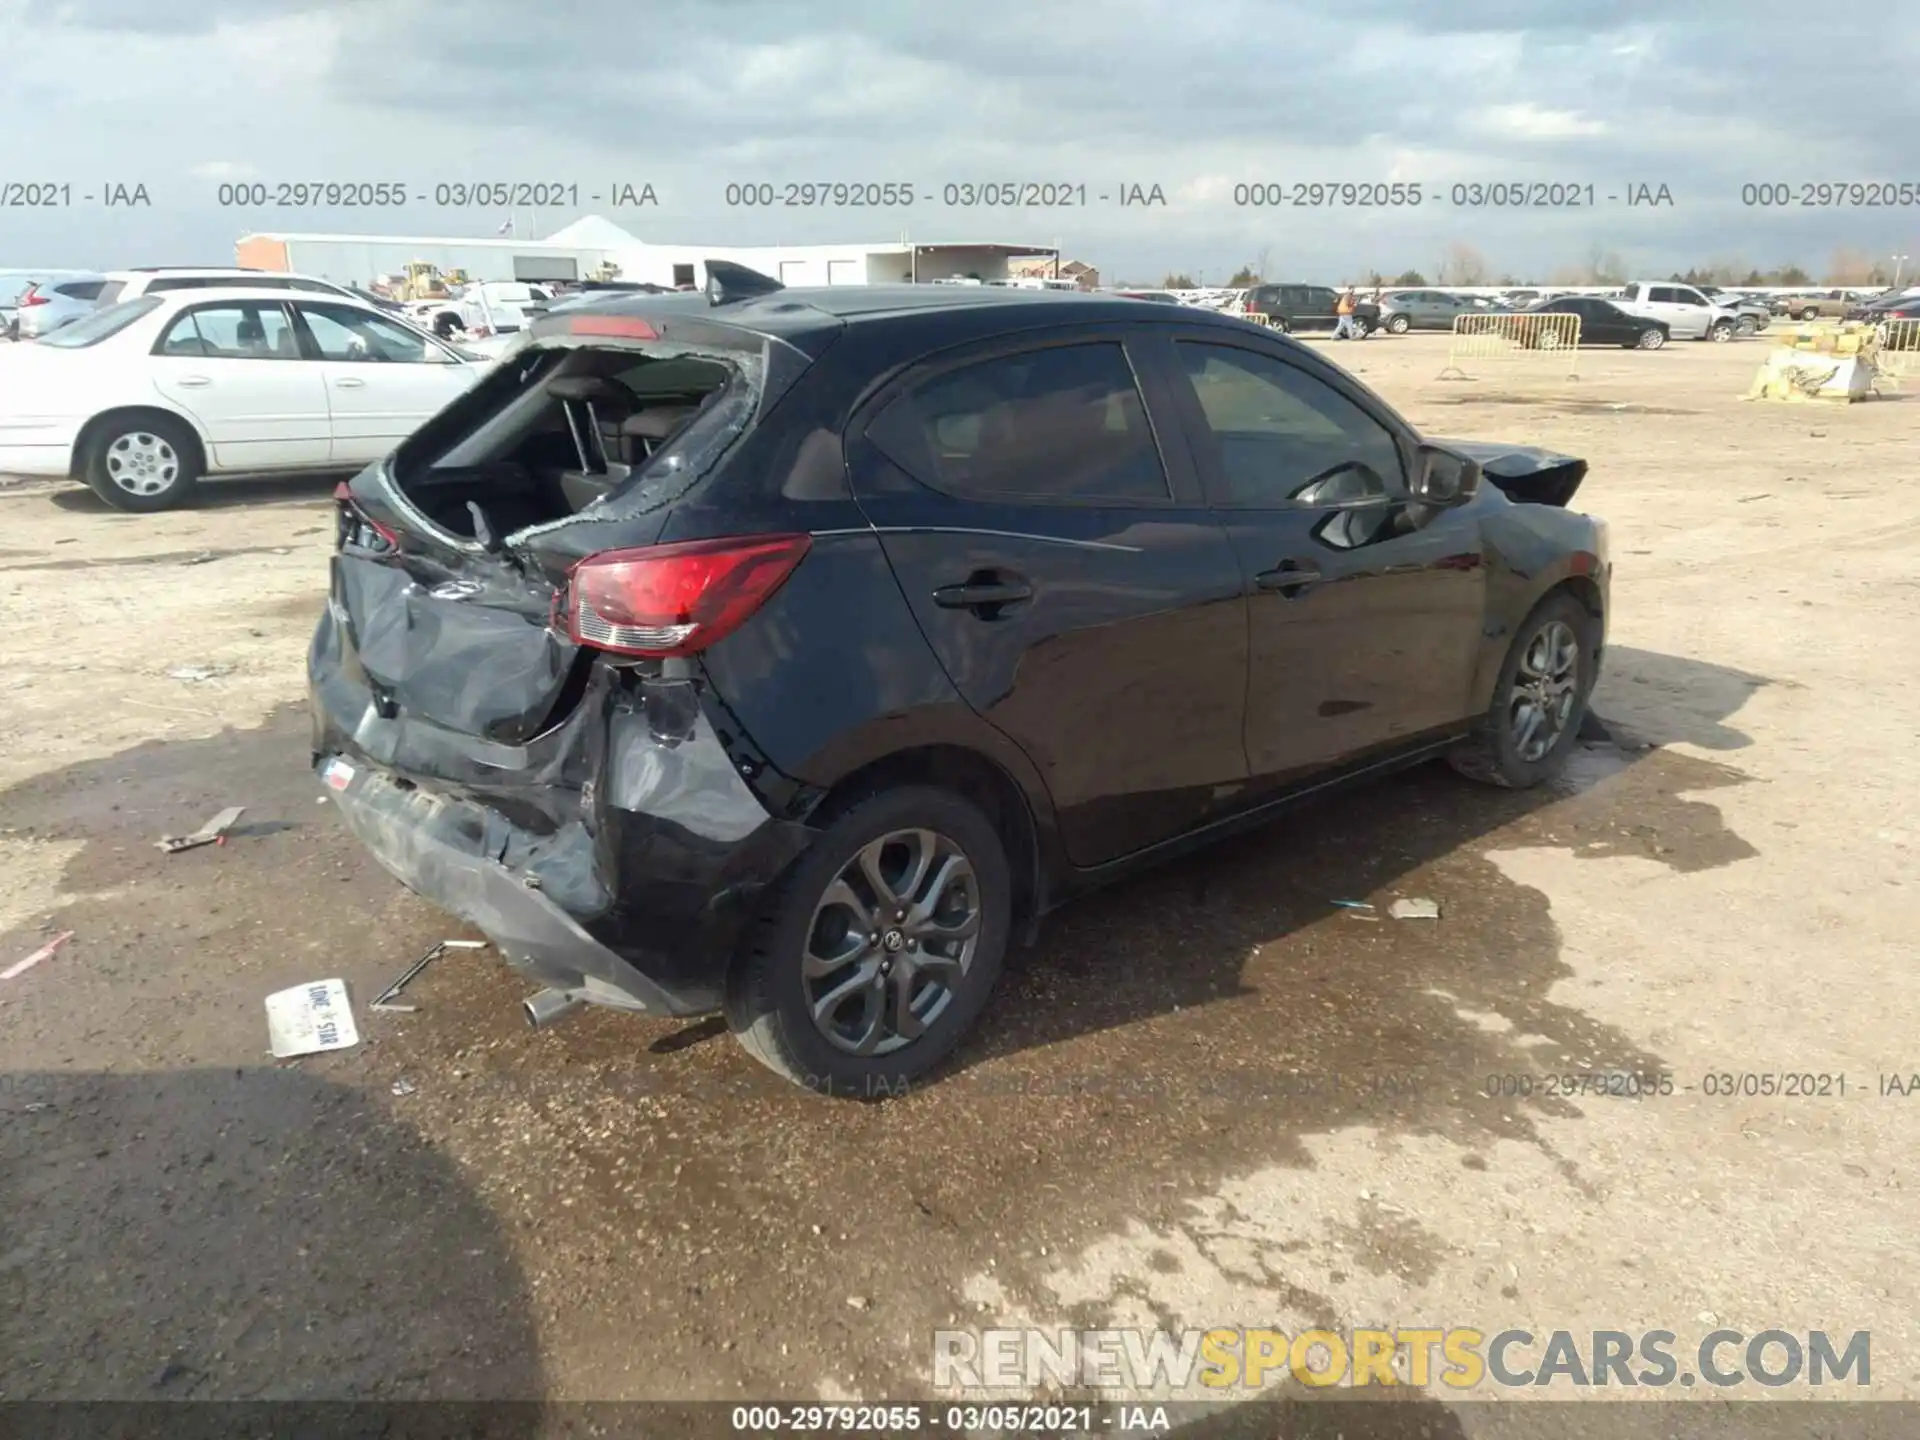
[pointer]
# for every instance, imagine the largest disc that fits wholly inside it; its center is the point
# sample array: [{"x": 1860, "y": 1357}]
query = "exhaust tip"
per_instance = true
[{"x": 548, "y": 1006}]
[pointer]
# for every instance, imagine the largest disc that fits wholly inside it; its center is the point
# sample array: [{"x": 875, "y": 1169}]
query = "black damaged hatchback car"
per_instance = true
[{"x": 789, "y": 653}]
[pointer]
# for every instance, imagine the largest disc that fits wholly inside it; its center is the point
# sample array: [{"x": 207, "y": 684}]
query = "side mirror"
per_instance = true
[{"x": 1444, "y": 477}]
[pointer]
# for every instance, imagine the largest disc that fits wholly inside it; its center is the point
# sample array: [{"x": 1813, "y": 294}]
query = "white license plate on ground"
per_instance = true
[{"x": 311, "y": 1018}]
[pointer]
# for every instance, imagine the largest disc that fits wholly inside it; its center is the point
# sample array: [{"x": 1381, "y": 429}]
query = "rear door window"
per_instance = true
[
  {"x": 1061, "y": 424},
  {"x": 241, "y": 330},
  {"x": 81, "y": 289}
]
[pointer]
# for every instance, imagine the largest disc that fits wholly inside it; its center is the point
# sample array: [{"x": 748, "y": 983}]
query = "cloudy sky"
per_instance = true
[{"x": 1195, "y": 96}]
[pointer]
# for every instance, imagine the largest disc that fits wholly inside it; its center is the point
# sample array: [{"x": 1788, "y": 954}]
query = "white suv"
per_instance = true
[
  {"x": 157, "y": 279},
  {"x": 1687, "y": 314}
]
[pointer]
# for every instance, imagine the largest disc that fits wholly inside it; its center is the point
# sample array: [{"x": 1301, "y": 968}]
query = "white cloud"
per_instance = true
[{"x": 1526, "y": 121}]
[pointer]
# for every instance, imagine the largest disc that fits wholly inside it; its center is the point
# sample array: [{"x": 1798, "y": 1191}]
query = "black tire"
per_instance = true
[
  {"x": 1746, "y": 327},
  {"x": 1493, "y": 756},
  {"x": 1399, "y": 325},
  {"x": 767, "y": 1005},
  {"x": 1721, "y": 332},
  {"x": 1282, "y": 324},
  {"x": 1810, "y": 313},
  {"x": 142, "y": 462},
  {"x": 1651, "y": 340}
]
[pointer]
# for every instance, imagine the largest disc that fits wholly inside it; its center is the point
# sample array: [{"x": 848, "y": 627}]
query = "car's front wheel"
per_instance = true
[
  {"x": 875, "y": 954},
  {"x": 142, "y": 463},
  {"x": 1721, "y": 332},
  {"x": 1810, "y": 313},
  {"x": 1538, "y": 701},
  {"x": 1398, "y": 325}
]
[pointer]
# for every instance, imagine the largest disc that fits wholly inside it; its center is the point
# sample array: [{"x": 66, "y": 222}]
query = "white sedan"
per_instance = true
[{"x": 143, "y": 398}]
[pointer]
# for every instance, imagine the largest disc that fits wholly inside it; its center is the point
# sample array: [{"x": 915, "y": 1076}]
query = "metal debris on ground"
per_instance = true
[
  {"x": 1353, "y": 905},
  {"x": 195, "y": 674},
  {"x": 1415, "y": 909},
  {"x": 384, "y": 1000},
  {"x": 404, "y": 1086},
  {"x": 212, "y": 833},
  {"x": 310, "y": 1018},
  {"x": 45, "y": 952}
]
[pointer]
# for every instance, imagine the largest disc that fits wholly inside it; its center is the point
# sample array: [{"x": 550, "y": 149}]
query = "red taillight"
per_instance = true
[
  {"x": 353, "y": 519},
  {"x": 619, "y": 327},
  {"x": 31, "y": 296},
  {"x": 676, "y": 599}
]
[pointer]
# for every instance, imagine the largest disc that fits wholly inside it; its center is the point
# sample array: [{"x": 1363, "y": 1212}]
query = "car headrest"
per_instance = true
[
  {"x": 591, "y": 389},
  {"x": 657, "y": 422}
]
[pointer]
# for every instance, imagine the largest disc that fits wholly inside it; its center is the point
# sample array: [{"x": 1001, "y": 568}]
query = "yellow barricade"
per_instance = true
[
  {"x": 1526, "y": 336},
  {"x": 1899, "y": 353}
]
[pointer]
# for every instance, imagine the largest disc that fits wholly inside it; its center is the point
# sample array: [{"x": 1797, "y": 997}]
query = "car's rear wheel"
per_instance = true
[
  {"x": 142, "y": 463},
  {"x": 1810, "y": 313},
  {"x": 1538, "y": 701},
  {"x": 1652, "y": 339},
  {"x": 874, "y": 955},
  {"x": 1398, "y": 325}
]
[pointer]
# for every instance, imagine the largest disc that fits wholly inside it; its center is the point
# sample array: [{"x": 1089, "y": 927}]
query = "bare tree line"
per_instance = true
[{"x": 1466, "y": 265}]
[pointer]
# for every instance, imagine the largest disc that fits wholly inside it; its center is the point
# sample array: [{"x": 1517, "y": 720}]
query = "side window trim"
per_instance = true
[
  {"x": 1195, "y": 422},
  {"x": 919, "y": 376}
]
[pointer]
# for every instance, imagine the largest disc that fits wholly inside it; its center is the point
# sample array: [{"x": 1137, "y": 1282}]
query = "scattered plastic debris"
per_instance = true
[
  {"x": 198, "y": 674},
  {"x": 204, "y": 557},
  {"x": 384, "y": 1001},
  {"x": 1415, "y": 909},
  {"x": 1749, "y": 499},
  {"x": 311, "y": 1018},
  {"x": 858, "y": 1302},
  {"x": 213, "y": 832},
  {"x": 403, "y": 1086},
  {"x": 45, "y": 952},
  {"x": 1353, "y": 905}
]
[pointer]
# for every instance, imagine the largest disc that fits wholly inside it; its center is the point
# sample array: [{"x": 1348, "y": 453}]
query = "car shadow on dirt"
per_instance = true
[
  {"x": 1200, "y": 1023},
  {"x": 220, "y": 493},
  {"x": 243, "y": 1234}
]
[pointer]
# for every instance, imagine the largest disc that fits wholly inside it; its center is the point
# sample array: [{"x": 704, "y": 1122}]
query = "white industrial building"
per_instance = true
[{"x": 577, "y": 250}]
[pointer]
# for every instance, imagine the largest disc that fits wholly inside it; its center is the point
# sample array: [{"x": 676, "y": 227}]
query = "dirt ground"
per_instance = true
[{"x": 1146, "y": 1130}]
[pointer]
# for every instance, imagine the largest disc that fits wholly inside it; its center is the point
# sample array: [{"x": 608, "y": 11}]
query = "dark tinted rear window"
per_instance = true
[
  {"x": 1065, "y": 423},
  {"x": 81, "y": 289}
]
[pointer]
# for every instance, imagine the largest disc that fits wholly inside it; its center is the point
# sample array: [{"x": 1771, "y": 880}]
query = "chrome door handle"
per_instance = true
[
  {"x": 193, "y": 382},
  {"x": 349, "y": 383}
]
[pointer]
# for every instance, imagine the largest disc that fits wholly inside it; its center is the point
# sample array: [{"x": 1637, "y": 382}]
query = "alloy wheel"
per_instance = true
[
  {"x": 1652, "y": 340},
  {"x": 1546, "y": 687},
  {"x": 890, "y": 942},
  {"x": 142, "y": 463}
]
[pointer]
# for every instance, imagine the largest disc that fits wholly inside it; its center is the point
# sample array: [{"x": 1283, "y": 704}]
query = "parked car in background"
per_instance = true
[
  {"x": 1404, "y": 310},
  {"x": 1879, "y": 305},
  {"x": 1159, "y": 297},
  {"x": 165, "y": 279},
  {"x": 1751, "y": 316},
  {"x": 45, "y": 307},
  {"x": 1687, "y": 314},
  {"x": 1602, "y": 323},
  {"x": 1817, "y": 305},
  {"x": 142, "y": 398},
  {"x": 1290, "y": 308},
  {"x": 813, "y": 643},
  {"x": 484, "y": 307}
]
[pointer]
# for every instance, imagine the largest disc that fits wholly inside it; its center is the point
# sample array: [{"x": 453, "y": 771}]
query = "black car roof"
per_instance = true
[{"x": 818, "y": 311}]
